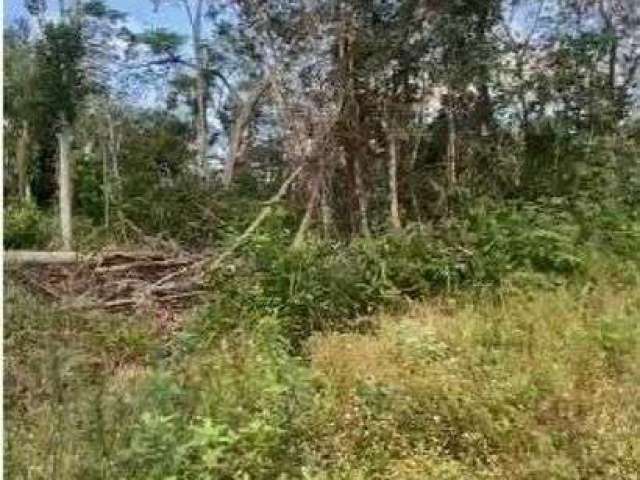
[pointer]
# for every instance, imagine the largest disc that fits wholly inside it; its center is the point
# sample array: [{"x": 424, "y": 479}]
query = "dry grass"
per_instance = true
[
  {"x": 543, "y": 386},
  {"x": 531, "y": 386}
]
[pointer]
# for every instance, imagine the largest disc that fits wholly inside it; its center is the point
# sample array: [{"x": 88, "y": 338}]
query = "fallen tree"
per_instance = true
[
  {"x": 110, "y": 280},
  {"x": 126, "y": 280},
  {"x": 35, "y": 257}
]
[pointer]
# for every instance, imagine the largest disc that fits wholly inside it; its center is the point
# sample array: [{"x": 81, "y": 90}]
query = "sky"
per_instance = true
[{"x": 141, "y": 14}]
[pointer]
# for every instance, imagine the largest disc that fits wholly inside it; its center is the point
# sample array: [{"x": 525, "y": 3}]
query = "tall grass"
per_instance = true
[
  {"x": 530, "y": 385},
  {"x": 510, "y": 348}
]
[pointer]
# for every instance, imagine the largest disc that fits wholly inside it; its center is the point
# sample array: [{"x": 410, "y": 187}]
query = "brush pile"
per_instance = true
[{"x": 116, "y": 280}]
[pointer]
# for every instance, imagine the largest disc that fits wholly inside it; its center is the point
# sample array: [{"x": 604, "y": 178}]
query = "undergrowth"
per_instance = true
[
  {"x": 532, "y": 384},
  {"x": 506, "y": 347},
  {"x": 331, "y": 286}
]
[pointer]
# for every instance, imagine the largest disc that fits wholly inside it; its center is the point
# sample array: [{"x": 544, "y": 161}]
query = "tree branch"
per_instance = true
[{"x": 264, "y": 213}]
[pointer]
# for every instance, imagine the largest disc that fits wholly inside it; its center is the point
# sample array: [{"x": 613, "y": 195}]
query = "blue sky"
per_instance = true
[{"x": 141, "y": 14}]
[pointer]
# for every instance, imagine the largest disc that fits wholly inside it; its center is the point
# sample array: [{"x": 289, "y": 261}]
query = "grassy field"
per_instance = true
[{"x": 538, "y": 385}]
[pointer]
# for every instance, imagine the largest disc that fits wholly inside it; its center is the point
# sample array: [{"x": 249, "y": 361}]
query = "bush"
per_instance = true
[
  {"x": 240, "y": 402},
  {"x": 531, "y": 387},
  {"x": 540, "y": 238},
  {"x": 25, "y": 227},
  {"x": 329, "y": 285}
]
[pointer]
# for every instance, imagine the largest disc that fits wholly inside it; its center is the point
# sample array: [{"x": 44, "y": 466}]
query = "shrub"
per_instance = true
[
  {"x": 530, "y": 237},
  {"x": 25, "y": 226},
  {"x": 329, "y": 285},
  {"x": 240, "y": 402}
]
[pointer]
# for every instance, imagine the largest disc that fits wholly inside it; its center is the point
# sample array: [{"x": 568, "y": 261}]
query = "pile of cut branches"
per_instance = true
[
  {"x": 126, "y": 280},
  {"x": 113, "y": 280}
]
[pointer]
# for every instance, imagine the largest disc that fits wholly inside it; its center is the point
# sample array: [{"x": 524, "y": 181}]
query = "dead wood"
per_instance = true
[
  {"x": 129, "y": 280},
  {"x": 142, "y": 264},
  {"x": 111, "y": 280},
  {"x": 34, "y": 257},
  {"x": 264, "y": 213}
]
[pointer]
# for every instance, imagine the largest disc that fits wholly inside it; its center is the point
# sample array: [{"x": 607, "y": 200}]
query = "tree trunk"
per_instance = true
[
  {"x": 412, "y": 183},
  {"x": 237, "y": 144},
  {"x": 236, "y": 152},
  {"x": 37, "y": 257},
  {"x": 486, "y": 110},
  {"x": 525, "y": 112},
  {"x": 113, "y": 149},
  {"x": 451, "y": 147},
  {"x": 306, "y": 220},
  {"x": 106, "y": 187},
  {"x": 617, "y": 99},
  {"x": 352, "y": 209},
  {"x": 362, "y": 198},
  {"x": 394, "y": 212},
  {"x": 65, "y": 187},
  {"x": 325, "y": 209},
  {"x": 22, "y": 163},
  {"x": 613, "y": 61},
  {"x": 202, "y": 130},
  {"x": 201, "y": 125},
  {"x": 358, "y": 201}
]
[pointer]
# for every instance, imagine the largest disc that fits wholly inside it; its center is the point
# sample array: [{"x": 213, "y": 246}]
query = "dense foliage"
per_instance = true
[
  {"x": 423, "y": 220},
  {"x": 529, "y": 385}
]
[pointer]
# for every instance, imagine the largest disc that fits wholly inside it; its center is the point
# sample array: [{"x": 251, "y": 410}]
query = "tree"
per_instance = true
[
  {"x": 166, "y": 46},
  {"x": 60, "y": 86},
  {"x": 18, "y": 75}
]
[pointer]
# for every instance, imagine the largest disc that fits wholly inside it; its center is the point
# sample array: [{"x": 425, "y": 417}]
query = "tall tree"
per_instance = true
[
  {"x": 18, "y": 76},
  {"x": 60, "y": 88},
  {"x": 167, "y": 46}
]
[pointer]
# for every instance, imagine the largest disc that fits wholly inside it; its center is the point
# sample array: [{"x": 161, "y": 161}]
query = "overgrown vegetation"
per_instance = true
[
  {"x": 412, "y": 229},
  {"x": 526, "y": 384},
  {"x": 25, "y": 226},
  {"x": 329, "y": 285}
]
